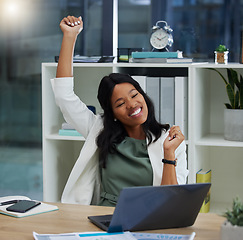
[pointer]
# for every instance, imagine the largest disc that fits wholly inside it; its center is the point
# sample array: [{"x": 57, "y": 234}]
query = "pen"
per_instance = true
[{"x": 8, "y": 202}]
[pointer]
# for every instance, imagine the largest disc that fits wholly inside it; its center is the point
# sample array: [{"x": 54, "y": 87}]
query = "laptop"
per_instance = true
[{"x": 154, "y": 207}]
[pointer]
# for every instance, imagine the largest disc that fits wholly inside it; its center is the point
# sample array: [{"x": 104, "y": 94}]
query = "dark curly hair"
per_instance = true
[{"x": 114, "y": 131}]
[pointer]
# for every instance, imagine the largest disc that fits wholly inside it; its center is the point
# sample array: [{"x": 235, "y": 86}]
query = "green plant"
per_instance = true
[
  {"x": 234, "y": 88},
  {"x": 235, "y": 216},
  {"x": 221, "y": 48}
]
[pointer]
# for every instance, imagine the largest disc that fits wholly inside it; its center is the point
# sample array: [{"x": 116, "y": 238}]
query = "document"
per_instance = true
[
  {"x": 156, "y": 236},
  {"x": 85, "y": 236},
  {"x": 112, "y": 236}
]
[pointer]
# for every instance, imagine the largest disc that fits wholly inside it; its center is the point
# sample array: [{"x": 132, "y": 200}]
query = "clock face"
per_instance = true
[{"x": 159, "y": 39}]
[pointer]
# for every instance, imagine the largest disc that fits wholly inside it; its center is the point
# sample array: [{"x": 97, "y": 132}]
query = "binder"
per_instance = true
[
  {"x": 167, "y": 100},
  {"x": 204, "y": 177},
  {"x": 153, "y": 91},
  {"x": 181, "y": 104},
  {"x": 170, "y": 98},
  {"x": 141, "y": 80}
]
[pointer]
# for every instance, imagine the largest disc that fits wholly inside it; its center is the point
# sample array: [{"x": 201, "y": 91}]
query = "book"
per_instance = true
[
  {"x": 69, "y": 132},
  {"x": 181, "y": 104},
  {"x": 167, "y": 100},
  {"x": 92, "y": 59},
  {"x": 42, "y": 208},
  {"x": 67, "y": 126},
  {"x": 161, "y": 60},
  {"x": 177, "y": 54},
  {"x": 204, "y": 177},
  {"x": 179, "y": 60},
  {"x": 153, "y": 91}
]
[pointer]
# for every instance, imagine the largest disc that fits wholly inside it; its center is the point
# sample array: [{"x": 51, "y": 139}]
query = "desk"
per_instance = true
[{"x": 73, "y": 218}]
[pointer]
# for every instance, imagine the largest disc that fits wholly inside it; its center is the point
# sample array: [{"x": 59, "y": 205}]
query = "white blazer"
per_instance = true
[{"x": 83, "y": 185}]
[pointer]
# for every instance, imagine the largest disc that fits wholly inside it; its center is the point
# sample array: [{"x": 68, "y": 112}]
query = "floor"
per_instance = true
[{"x": 21, "y": 172}]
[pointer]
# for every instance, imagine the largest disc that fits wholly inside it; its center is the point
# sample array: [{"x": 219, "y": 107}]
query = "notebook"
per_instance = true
[
  {"x": 42, "y": 208},
  {"x": 154, "y": 207}
]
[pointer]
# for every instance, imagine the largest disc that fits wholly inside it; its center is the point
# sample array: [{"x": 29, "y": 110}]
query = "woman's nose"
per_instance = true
[{"x": 131, "y": 103}]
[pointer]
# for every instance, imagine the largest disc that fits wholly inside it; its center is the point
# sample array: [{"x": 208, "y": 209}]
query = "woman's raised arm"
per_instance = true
[{"x": 71, "y": 27}]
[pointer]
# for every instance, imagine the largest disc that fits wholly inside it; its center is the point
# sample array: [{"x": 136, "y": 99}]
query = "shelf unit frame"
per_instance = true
[{"x": 206, "y": 146}]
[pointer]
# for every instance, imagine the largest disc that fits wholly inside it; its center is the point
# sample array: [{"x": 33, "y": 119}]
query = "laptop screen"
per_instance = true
[{"x": 157, "y": 207}]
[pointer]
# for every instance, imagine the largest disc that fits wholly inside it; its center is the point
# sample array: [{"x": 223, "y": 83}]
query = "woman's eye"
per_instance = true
[
  {"x": 134, "y": 95},
  {"x": 119, "y": 105}
]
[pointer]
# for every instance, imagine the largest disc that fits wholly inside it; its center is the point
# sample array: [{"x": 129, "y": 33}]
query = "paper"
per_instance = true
[
  {"x": 85, "y": 236},
  {"x": 156, "y": 236},
  {"x": 112, "y": 236}
]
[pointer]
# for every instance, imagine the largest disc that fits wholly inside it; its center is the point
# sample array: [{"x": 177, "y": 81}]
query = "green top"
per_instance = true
[{"x": 128, "y": 167}]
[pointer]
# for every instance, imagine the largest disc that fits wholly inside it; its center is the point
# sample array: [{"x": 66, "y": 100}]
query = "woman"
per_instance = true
[{"x": 124, "y": 146}]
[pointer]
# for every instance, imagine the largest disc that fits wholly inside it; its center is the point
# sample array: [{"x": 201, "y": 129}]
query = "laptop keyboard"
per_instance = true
[{"x": 106, "y": 223}]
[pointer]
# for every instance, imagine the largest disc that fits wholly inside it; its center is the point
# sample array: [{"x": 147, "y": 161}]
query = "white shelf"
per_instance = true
[
  {"x": 206, "y": 146},
  {"x": 59, "y": 137},
  {"x": 217, "y": 140},
  {"x": 131, "y": 65}
]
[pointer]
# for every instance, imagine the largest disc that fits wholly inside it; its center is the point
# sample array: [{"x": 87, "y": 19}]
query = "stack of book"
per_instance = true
[
  {"x": 159, "y": 57},
  {"x": 68, "y": 130}
]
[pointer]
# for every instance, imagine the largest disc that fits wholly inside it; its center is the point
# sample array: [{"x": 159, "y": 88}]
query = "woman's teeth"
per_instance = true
[{"x": 136, "y": 112}]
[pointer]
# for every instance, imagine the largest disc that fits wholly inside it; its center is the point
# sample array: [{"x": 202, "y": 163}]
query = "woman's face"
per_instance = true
[{"x": 129, "y": 105}]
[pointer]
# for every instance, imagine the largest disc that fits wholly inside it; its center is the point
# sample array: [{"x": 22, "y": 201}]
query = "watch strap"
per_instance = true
[{"x": 172, "y": 162}]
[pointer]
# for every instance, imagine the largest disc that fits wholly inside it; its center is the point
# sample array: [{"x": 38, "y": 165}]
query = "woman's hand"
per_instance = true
[
  {"x": 173, "y": 140},
  {"x": 71, "y": 25}
]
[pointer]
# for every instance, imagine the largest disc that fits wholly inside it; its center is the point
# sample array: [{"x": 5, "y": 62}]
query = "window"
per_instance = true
[
  {"x": 30, "y": 35},
  {"x": 199, "y": 26}
]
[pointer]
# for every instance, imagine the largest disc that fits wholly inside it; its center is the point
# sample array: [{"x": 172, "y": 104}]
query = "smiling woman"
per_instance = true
[{"x": 125, "y": 144}]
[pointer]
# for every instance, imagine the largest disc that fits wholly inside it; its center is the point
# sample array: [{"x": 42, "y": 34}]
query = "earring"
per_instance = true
[{"x": 115, "y": 119}]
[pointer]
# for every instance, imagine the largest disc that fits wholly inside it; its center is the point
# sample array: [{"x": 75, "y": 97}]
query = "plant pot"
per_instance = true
[
  {"x": 233, "y": 124},
  {"x": 221, "y": 57},
  {"x": 230, "y": 232}
]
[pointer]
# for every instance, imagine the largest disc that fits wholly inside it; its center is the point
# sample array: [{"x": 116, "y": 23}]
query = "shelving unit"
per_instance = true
[{"x": 206, "y": 147}]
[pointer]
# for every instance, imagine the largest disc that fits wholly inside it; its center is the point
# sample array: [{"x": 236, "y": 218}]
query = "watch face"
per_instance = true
[{"x": 159, "y": 39}]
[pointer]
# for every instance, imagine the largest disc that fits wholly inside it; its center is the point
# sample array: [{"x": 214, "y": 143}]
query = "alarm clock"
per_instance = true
[{"x": 161, "y": 37}]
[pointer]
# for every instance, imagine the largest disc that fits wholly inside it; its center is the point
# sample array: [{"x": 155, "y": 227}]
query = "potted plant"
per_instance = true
[
  {"x": 232, "y": 228},
  {"x": 221, "y": 54},
  {"x": 233, "y": 114}
]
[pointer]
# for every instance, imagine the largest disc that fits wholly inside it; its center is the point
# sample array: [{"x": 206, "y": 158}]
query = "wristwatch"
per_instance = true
[{"x": 173, "y": 162}]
